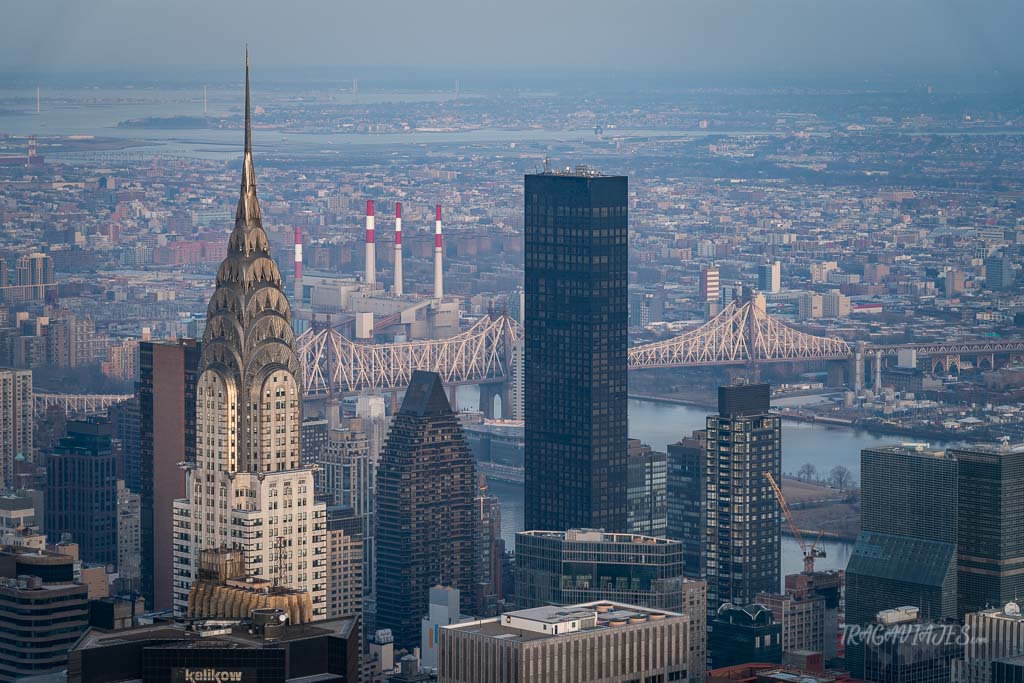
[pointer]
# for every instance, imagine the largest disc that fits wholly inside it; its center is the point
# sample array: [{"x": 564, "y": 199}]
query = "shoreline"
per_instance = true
[{"x": 933, "y": 436}]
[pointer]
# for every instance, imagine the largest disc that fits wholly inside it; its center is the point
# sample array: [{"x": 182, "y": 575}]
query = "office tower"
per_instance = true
[
  {"x": 490, "y": 585},
  {"x": 168, "y": 373},
  {"x": 742, "y": 543},
  {"x": 603, "y": 642},
  {"x": 43, "y": 611},
  {"x": 314, "y": 439},
  {"x": 686, "y": 492},
  {"x": 769, "y": 277},
  {"x": 34, "y": 273},
  {"x": 346, "y": 477},
  {"x": 906, "y": 551},
  {"x": 517, "y": 391},
  {"x": 16, "y": 422},
  {"x": 802, "y": 619},
  {"x": 129, "y": 540},
  {"x": 263, "y": 650},
  {"x": 999, "y": 272},
  {"x": 344, "y": 562},
  {"x": 744, "y": 634},
  {"x": 646, "y": 473},
  {"x": 575, "y": 362},
  {"x": 127, "y": 431},
  {"x": 994, "y": 634},
  {"x": 81, "y": 491},
  {"x": 426, "y": 530},
  {"x": 581, "y": 565},
  {"x": 248, "y": 490},
  {"x": 709, "y": 284},
  {"x": 990, "y": 545},
  {"x": 826, "y": 586},
  {"x": 904, "y": 647}
]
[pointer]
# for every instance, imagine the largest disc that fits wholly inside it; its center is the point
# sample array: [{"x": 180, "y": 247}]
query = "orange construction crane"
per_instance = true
[{"x": 810, "y": 552}]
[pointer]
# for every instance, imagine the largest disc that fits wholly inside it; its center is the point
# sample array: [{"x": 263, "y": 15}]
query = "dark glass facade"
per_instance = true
[
  {"x": 743, "y": 540},
  {"x": 990, "y": 542},
  {"x": 426, "y": 522},
  {"x": 81, "y": 491},
  {"x": 741, "y": 635},
  {"x": 581, "y": 565},
  {"x": 906, "y": 551},
  {"x": 687, "y": 492},
  {"x": 576, "y": 320}
]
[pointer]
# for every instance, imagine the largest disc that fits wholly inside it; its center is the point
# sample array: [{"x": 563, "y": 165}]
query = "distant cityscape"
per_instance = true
[{"x": 479, "y": 385}]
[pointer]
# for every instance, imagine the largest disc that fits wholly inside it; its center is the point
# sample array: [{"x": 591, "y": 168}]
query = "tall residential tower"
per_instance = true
[
  {"x": 248, "y": 491},
  {"x": 575, "y": 358}
]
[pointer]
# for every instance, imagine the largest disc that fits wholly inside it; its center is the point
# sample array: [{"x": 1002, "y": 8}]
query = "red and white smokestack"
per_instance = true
[
  {"x": 371, "y": 254},
  {"x": 398, "y": 249},
  {"x": 298, "y": 264},
  {"x": 438, "y": 255}
]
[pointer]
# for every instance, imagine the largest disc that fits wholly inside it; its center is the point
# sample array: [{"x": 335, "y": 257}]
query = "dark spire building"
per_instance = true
[
  {"x": 576, "y": 322},
  {"x": 426, "y": 527},
  {"x": 248, "y": 490}
]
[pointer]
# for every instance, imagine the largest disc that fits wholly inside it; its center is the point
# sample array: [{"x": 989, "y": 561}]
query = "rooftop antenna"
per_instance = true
[
  {"x": 204, "y": 101},
  {"x": 38, "y": 108}
]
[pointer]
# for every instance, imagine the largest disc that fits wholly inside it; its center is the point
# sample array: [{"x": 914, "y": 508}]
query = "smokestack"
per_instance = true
[
  {"x": 398, "y": 249},
  {"x": 298, "y": 265},
  {"x": 371, "y": 254},
  {"x": 438, "y": 255}
]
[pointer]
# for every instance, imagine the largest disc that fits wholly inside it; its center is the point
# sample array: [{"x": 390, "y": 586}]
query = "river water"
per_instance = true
[{"x": 659, "y": 424}]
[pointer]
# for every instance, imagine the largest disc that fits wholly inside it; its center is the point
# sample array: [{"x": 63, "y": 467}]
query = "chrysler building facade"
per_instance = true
[{"x": 248, "y": 490}]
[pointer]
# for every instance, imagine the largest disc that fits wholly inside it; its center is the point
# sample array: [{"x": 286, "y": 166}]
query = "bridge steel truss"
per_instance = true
[
  {"x": 741, "y": 333},
  {"x": 81, "y": 405},
  {"x": 333, "y": 364}
]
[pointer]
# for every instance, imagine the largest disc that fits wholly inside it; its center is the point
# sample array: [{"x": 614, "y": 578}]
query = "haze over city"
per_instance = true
[{"x": 403, "y": 342}]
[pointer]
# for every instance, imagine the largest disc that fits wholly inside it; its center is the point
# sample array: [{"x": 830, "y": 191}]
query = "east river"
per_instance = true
[{"x": 659, "y": 424}]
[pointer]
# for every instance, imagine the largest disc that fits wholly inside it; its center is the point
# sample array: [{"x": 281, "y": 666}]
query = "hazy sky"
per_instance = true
[{"x": 698, "y": 36}]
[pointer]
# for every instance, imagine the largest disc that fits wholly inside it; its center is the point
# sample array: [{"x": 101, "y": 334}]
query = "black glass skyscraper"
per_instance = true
[
  {"x": 991, "y": 516},
  {"x": 576, "y": 321},
  {"x": 906, "y": 551}
]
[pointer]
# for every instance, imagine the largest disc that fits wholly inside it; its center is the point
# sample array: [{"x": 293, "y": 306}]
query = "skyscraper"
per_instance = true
[
  {"x": 16, "y": 421},
  {"x": 426, "y": 526},
  {"x": 769, "y": 277},
  {"x": 906, "y": 551},
  {"x": 81, "y": 491},
  {"x": 575, "y": 360},
  {"x": 743, "y": 551},
  {"x": 645, "y": 490},
  {"x": 990, "y": 545},
  {"x": 686, "y": 492},
  {"x": 248, "y": 490},
  {"x": 167, "y": 416}
]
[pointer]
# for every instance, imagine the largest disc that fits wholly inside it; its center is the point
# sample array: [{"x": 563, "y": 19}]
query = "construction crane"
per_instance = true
[{"x": 810, "y": 552}]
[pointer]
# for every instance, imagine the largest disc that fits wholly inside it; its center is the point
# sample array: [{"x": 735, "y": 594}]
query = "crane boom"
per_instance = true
[{"x": 785, "y": 510}]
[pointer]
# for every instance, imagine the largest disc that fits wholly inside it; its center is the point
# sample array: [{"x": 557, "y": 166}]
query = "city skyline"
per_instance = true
[{"x": 600, "y": 377}]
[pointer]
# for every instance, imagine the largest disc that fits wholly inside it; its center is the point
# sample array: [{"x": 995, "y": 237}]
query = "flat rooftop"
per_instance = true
[
  {"x": 599, "y": 536},
  {"x": 236, "y": 634},
  {"x": 605, "y": 615}
]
